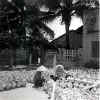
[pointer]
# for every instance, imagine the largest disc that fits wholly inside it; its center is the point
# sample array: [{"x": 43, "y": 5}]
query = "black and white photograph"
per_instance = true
[{"x": 49, "y": 50}]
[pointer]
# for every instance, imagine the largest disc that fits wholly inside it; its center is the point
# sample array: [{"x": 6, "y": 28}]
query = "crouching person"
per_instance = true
[
  {"x": 60, "y": 72},
  {"x": 42, "y": 80},
  {"x": 39, "y": 78}
]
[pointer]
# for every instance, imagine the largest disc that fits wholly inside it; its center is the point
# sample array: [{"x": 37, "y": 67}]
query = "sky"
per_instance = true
[{"x": 59, "y": 29}]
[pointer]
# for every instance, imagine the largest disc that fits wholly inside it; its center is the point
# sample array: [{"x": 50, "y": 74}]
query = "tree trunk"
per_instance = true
[
  {"x": 30, "y": 58},
  {"x": 12, "y": 57},
  {"x": 67, "y": 36},
  {"x": 54, "y": 60},
  {"x": 42, "y": 59}
]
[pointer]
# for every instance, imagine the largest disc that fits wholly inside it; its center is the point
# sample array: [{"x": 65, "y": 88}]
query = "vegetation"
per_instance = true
[
  {"x": 20, "y": 26},
  {"x": 92, "y": 64},
  {"x": 21, "y": 22},
  {"x": 11, "y": 26},
  {"x": 81, "y": 80}
]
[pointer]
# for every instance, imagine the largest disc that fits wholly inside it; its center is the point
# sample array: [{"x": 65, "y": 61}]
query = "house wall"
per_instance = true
[
  {"x": 90, "y": 33},
  {"x": 87, "y": 46}
]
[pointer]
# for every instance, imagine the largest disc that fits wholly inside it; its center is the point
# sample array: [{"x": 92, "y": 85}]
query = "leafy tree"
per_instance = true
[
  {"x": 17, "y": 20},
  {"x": 11, "y": 26}
]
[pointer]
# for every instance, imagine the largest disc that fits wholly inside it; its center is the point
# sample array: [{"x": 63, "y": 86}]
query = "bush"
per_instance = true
[
  {"x": 15, "y": 79},
  {"x": 92, "y": 64}
]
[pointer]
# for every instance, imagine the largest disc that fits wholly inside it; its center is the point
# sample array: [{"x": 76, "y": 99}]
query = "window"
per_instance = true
[
  {"x": 95, "y": 49},
  {"x": 71, "y": 53}
]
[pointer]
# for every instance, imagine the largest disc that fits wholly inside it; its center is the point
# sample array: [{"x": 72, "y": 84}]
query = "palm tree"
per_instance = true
[
  {"x": 33, "y": 26},
  {"x": 65, "y": 9}
]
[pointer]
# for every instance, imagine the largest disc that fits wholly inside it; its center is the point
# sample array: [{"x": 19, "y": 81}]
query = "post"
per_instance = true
[
  {"x": 53, "y": 91},
  {"x": 38, "y": 60},
  {"x": 54, "y": 60},
  {"x": 30, "y": 59}
]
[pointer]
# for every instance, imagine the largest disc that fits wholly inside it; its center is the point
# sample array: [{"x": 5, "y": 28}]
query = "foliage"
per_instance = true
[
  {"x": 92, "y": 64},
  {"x": 82, "y": 79},
  {"x": 20, "y": 26},
  {"x": 16, "y": 16},
  {"x": 15, "y": 79},
  {"x": 18, "y": 19},
  {"x": 11, "y": 23}
]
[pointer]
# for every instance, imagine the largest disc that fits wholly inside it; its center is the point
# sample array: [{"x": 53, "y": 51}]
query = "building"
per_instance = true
[
  {"x": 62, "y": 56},
  {"x": 91, "y": 34},
  {"x": 84, "y": 42}
]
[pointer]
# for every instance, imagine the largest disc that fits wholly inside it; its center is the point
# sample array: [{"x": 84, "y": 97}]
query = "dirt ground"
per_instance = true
[{"x": 23, "y": 94}]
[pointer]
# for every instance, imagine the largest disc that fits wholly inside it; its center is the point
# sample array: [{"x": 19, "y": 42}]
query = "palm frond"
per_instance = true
[
  {"x": 46, "y": 28},
  {"x": 33, "y": 21},
  {"x": 81, "y": 5},
  {"x": 87, "y": 3}
]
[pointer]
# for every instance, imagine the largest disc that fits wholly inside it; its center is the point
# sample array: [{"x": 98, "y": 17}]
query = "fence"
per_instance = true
[{"x": 70, "y": 54}]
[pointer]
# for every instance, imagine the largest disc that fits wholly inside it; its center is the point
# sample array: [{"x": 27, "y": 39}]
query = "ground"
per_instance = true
[
  {"x": 23, "y": 94},
  {"x": 11, "y": 83}
]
